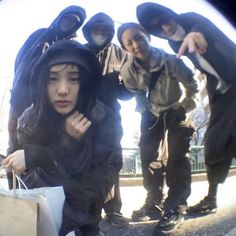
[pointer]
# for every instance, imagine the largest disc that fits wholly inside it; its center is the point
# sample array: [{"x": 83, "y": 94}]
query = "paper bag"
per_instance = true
[
  {"x": 17, "y": 216},
  {"x": 51, "y": 201}
]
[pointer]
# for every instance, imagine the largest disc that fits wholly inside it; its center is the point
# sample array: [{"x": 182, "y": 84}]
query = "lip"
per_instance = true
[
  {"x": 62, "y": 103},
  {"x": 140, "y": 51}
]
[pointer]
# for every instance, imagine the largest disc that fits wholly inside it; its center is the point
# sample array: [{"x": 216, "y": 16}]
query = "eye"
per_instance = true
[
  {"x": 128, "y": 44},
  {"x": 52, "y": 79},
  {"x": 74, "y": 79},
  {"x": 139, "y": 38}
]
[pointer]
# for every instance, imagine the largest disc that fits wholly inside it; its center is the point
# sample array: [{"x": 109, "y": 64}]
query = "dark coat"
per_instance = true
[
  {"x": 86, "y": 167},
  {"x": 221, "y": 51},
  {"x": 31, "y": 51},
  {"x": 111, "y": 57},
  {"x": 27, "y": 57}
]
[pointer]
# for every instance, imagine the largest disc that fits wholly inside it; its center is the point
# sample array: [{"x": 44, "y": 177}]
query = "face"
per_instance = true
[
  {"x": 137, "y": 43},
  {"x": 100, "y": 34},
  {"x": 69, "y": 22},
  {"x": 164, "y": 27},
  {"x": 63, "y": 87}
]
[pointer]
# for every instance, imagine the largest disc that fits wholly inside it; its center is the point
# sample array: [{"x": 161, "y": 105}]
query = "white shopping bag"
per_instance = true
[
  {"x": 50, "y": 206},
  {"x": 51, "y": 201}
]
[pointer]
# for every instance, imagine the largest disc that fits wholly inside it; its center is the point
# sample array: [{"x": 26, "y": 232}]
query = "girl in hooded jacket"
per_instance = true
[{"x": 67, "y": 137}]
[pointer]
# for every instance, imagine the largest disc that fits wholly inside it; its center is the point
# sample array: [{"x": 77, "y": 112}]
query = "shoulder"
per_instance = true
[
  {"x": 28, "y": 117},
  {"x": 100, "y": 112}
]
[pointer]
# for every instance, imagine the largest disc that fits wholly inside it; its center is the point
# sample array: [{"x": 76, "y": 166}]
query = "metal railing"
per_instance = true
[{"x": 132, "y": 162}]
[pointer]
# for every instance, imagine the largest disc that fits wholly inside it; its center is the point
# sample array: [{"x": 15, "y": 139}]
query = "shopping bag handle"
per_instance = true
[{"x": 20, "y": 182}]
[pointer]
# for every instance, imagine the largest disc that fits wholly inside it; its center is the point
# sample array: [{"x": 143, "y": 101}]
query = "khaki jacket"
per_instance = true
[{"x": 175, "y": 80}]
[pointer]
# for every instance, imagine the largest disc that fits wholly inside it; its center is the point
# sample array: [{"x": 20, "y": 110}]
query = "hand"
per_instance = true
[
  {"x": 77, "y": 125},
  {"x": 195, "y": 42},
  {"x": 16, "y": 162}
]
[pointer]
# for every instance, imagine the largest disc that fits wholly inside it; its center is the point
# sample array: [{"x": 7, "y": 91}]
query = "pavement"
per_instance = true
[{"x": 221, "y": 223}]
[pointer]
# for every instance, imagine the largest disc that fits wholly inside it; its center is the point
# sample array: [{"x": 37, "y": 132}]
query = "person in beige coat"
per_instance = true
[{"x": 155, "y": 77}]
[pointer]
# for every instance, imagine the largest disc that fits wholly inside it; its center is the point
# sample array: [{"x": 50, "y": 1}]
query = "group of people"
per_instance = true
[{"x": 66, "y": 127}]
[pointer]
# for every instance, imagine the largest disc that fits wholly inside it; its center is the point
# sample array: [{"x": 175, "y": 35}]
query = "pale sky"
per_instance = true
[{"x": 19, "y": 18}]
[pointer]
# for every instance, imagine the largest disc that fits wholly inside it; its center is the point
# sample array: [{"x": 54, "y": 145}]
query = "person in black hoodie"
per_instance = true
[
  {"x": 214, "y": 54},
  {"x": 64, "y": 26},
  {"x": 99, "y": 31},
  {"x": 66, "y": 137}
]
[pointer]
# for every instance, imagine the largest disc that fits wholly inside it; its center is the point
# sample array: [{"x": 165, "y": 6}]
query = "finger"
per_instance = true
[
  {"x": 9, "y": 166},
  {"x": 82, "y": 125},
  {"x": 191, "y": 46},
  {"x": 73, "y": 115},
  {"x": 182, "y": 49},
  {"x": 86, "y": 126},
  {"x": 6, "y": 161},
  {"x": 201, "y": 43}
]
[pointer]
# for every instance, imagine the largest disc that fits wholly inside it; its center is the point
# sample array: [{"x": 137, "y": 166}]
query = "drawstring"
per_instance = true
[{"x": 155, "y": 123}]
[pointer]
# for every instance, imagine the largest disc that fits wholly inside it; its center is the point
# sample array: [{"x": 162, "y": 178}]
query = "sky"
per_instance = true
[{"x": 19, "y": 18}]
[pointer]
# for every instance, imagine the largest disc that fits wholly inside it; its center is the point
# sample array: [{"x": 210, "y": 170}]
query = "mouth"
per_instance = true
[
  {"x": 62, "y": 103},
  {"x": 139, "y": 52}
]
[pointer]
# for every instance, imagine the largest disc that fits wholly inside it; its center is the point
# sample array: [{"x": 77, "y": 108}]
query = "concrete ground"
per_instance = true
[{"x": 221, "y": 223}]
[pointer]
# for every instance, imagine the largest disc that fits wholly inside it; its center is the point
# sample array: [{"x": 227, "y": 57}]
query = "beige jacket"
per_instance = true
[{"x": 167, "y": 92}]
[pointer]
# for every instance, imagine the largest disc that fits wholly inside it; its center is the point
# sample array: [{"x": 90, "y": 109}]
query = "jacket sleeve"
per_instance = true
[
  {"x": 120, "y": 56},
  {"x": 107, "y": 136},
  {"x": 36, "y": 154},
  {"x": 130, "y": 78},
  {"x": 185, "y": 76}
]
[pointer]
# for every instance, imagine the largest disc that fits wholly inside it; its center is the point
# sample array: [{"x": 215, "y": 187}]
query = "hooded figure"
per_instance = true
[
  {"x": 221, "y": 51},
  {"x": 63, "y": 27},
  {"x": 99, "y": 31},
  {"x": 97, "y": 43},
  {"x": 214, "y": 54},
  {"x": 53, "y": 156}
]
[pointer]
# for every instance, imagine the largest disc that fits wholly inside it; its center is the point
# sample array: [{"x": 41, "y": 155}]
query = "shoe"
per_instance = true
[
  {"x": 116, "y": 219},
  {"x": 205, "y": 206},
  {"x": 90, "y": 230},
  {"x": 169, "y": 220},
  {"x": 145, "y": 213}
]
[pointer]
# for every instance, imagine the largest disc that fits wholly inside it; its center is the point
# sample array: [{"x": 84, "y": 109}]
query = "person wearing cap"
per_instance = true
[
  {"x": 155, "y": 77},
  {"x": 67, "y": 137},
  {"x": 64, "y": 26},
  {"x": 214, "y": 54},
  {"x": 99, "y": 32}
]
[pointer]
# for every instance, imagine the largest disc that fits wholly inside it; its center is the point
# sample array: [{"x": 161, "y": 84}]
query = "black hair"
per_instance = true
[{"x": 65, "y": 52}]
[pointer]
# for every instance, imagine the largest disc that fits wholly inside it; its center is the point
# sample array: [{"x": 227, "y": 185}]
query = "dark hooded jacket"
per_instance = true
[
  {"x": 221, "y": 51},
  {"x": 85, "y": 167},
  {"x": 111, "y": 57},
  {"x": 31, "y": 51},
  {"x": 26, "y": 59}
]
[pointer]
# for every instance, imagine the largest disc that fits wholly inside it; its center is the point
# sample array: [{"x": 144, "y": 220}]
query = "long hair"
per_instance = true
[{"x": 65, "y": 52}]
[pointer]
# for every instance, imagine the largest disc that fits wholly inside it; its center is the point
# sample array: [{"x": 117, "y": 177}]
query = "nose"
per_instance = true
[
  {"x": 136, "y": 45},
  {"x": 166, "y": 29},
  {"x": 63, "y": 88}
]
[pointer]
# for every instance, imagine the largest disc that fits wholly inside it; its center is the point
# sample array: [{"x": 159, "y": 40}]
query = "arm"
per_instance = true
[
  {"x": 130, "y": 78},
  {"x": 199, "y": 35},
  {"x": 107, "y": 136},
  {"x": 185, "y": 76}
]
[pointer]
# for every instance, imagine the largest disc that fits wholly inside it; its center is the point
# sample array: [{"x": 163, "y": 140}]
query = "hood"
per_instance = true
[
  {"x": 72, "y": 52},
  {"x": 79, "y": 16},
  {"x": 146, "y": 11},
  {"x": 98, "y": 19}
]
